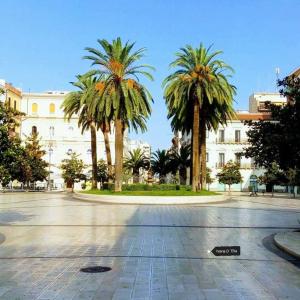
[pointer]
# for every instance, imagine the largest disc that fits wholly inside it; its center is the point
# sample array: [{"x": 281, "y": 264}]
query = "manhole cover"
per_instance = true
[{"x": 97, "y": 269}]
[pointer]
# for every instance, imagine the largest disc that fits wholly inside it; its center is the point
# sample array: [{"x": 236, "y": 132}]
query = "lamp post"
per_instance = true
[{"x": 50, "y": 151}]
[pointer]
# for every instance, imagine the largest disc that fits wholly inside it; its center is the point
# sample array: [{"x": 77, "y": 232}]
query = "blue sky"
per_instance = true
[{"x": 42, "y": 42}]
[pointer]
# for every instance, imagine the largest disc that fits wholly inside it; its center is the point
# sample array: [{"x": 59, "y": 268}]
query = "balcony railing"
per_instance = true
[
  {"x": 232, "y": 141},
  {"x": 244, "y": 166}
]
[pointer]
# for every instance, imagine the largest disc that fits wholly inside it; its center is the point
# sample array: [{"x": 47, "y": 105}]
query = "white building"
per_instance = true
[
  {"x": 58, "y": 136},
  {"x": 229, "y": 141}
]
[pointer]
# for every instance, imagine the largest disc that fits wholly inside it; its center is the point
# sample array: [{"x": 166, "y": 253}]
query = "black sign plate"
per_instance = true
[{"x": 227, "y": 251}]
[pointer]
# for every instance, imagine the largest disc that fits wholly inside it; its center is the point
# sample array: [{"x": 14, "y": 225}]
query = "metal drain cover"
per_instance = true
[{"x": 96, "y": 269}]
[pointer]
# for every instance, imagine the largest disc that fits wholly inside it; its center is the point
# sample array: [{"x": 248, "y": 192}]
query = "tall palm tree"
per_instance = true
[
  {"x": 160, "y": 164},
  {"x": 80, "y": 102},
  {"x": 135, "y": 161},
  {"x": 198, "y": 88},
  {"x": 123, "y": 98}
]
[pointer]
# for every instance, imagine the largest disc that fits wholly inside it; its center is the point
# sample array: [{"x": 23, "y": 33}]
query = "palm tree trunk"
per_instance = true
[
  {"x": 108, "y": 154},
  {"x": 94, "y": 155},
  {"x": 118, "y": 154},
  {"x": 191, "y": 164},
  {"x": 136, "y": 176},
  {"x": 195, "y": 147},
  {"x": 203, "y": 151}
]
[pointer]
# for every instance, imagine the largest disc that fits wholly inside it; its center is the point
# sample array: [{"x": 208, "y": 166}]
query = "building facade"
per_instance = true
[{"x": 59, "y": 136}]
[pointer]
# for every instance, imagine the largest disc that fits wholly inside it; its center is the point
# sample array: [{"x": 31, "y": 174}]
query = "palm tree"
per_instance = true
[
  {"x": 135, "y": 161},
  {"x": 181, "y": 160},
  {"x": 123, "y": 98},
  {"x": 198, "y": 88},
  {"x": 160, "y": 164},
  {"x": 80, "y": 102}
]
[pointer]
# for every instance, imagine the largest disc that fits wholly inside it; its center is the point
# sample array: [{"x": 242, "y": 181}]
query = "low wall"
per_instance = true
[{"x": 151, "y": 200}]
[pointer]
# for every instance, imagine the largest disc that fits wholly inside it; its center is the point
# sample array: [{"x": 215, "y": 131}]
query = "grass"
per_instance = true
[{"x": 151, "y": 193}]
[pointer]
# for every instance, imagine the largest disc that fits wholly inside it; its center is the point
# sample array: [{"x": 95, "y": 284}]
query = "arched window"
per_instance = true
[
  {"x": 52, "y": 108},
  {"x": 34, "y": 108},
  {"x": 34, "y": 130}
]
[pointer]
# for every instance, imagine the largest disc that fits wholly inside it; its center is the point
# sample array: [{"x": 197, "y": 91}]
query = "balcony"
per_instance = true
[
  {"x": 243, "y": 166},
  {"x": 232, "y": 141}
]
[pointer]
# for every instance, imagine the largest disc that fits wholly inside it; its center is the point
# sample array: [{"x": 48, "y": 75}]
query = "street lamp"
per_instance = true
[{"x": 50, "y": 151}]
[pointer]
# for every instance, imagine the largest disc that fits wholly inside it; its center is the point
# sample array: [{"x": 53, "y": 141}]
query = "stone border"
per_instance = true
[
  {"x": 286, "y": 241},
  {"x": 151, "y": 200}
]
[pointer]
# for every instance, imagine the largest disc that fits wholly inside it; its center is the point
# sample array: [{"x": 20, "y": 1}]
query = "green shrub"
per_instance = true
[{"x": 147, "y": 187}]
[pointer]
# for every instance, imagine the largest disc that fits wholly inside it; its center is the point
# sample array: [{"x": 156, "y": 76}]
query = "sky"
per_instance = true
[{"x": 42, "y": 42}]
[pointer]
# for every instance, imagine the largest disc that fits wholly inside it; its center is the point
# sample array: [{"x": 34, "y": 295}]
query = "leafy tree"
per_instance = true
[
  {"x": 123, "y": 98},
  {"x": 160, "y": 164},
  {"x": 5, "y": 177},
  {"x": 12, "y": 153},
  {"x": 181, "y": 161},
  {"x": 209, "y": 179},
  {"x": 273, "y": 176},
  {"x": 34, "y": 157},
  {"x": 277, "y": 141},
  {"x": 84, "y": 102},
  {"x": 72, "y": 169},
  {"x": 198, "y": 97},
  {"x": 230, "y": 174},
  {"x": 135, "y": 161},
  {"x": 102, "y": 171}
]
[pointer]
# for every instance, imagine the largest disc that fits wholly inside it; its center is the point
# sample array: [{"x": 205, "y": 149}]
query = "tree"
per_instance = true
[
  {"x": 123, "y": 98},
  {"x": 72, "y": 169},
  {"x": 230, "y": 174},
  {"x": 135, "y": 161},
  {"x": 12, "y": 154},
  {"x": 181, "y": 161},
  {"x": 278, "y": 140},
  {"x": 209, "y": 179},
  {"x": 198, "y": 88},
  {"x": 84, "y": 102},
  {"x": 5, "y": 177},
  {"x": 160, "y": 164},
  {"x": 273, "y": 176},
  {"x": 34, "y": 157},
  {"x": 102, "y": 171}
]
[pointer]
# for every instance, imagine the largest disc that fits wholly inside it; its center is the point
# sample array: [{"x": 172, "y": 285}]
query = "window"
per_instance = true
[
  {"x": 9, "y": 102},
  {"x": 221, "y": 159},
  {"x": 221, "y": 136},
  {"x": 238, "y": 159},
  {"x": 34, "y": 130},
  {"x": 52, "y": 108},
  {"x": 34, "y": 108},
  {"x": 15, "y": 105},
  {"x": 237, "y": 136},
  {"x": 207, "y": 156}
]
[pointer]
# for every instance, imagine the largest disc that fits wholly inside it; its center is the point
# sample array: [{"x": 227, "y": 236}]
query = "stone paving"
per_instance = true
[{"x": 155, "y": 252}]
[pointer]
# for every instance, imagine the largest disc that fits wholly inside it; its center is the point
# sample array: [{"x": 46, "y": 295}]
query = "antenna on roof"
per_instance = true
[{"x": 277, "y": 72}]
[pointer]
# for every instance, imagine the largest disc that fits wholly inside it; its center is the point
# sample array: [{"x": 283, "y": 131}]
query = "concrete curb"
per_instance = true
[
  {"x": 288, "y": 242},
  {"x": 151, "y": 200}
]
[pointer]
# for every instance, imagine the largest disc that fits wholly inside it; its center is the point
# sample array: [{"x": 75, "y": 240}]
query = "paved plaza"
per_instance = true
[{"x": 155, "y": 252}]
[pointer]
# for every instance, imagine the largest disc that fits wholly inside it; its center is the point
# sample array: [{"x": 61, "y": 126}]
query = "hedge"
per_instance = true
[{"x": 143, "y": 187}]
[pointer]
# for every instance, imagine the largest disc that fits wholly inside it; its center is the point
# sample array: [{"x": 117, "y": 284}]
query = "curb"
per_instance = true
[
  {"x": 281, "y": 240},
  {"x": 151, "y": 200}
]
